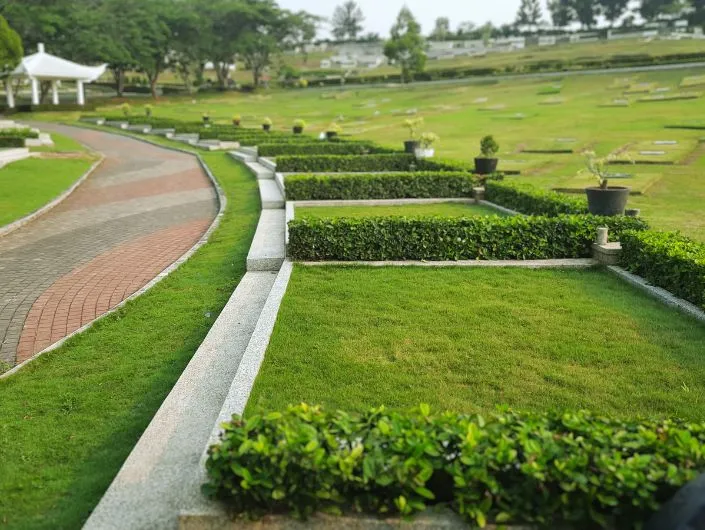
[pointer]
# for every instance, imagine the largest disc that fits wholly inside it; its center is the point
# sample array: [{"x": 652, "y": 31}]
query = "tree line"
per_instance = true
[{"x": 152, "y": 36}]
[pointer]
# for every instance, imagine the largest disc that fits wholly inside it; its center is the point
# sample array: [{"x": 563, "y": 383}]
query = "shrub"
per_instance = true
[
  {"x": 669, "y": 260},
  {"x": 23, "y": 132},
  {"x": 529, "y": 200},
  {"x": 320, "y": 148},
  {"x": 12, "y": 141},
  {"x": 488, "y": 147},
  {"x": 354, "y": 186},
  {"x": 352, "y": 163},
  {"x": 549, "y": 469},
  {"x": 450, "y": 239}
]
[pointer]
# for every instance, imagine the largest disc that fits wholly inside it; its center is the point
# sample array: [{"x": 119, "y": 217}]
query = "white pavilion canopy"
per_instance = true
[{"x": 43, "y": 66}]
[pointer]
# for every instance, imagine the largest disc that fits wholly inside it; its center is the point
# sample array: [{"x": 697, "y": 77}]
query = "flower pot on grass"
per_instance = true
[
  {"x": 298, "y": 130},
  {"x": 266, "y": 124},
  {"x": 485, "y": 166},
  {"x": 298, "y": 127},
  {"x": 420, "y": 152},
  {"x": 331, "y": 134},
  {"x": 410, "y": 146},
  {"x": 425, "y": 148},
  {"x": 237, "y": 120},
  {"x": 608, "y": 201}
]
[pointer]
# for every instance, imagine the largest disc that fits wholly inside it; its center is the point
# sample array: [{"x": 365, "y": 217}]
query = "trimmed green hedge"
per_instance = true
[
  {"x": 450, "y": 239},
  {"x": 354, "y": 163},
  {"x": 556, "y": 469},
  {"x": 12, "y": 141},
  {"x": 351, "y": 186},
  {"x": 322, "y": 148},
  {"x": 25, "y": 132},
  {"x": 669, "y": 260},
  {"x": 530, "y": 200}
]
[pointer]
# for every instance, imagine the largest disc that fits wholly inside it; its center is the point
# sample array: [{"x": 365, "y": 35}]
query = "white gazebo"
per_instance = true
[{"x": 43, "y": 66}]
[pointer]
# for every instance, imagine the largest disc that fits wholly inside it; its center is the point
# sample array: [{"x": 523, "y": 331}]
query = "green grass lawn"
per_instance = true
[
  {"x": 471, "y": 339},
  {"x": 444, "y": 209},
  {"x": 62, "y": 144},
  {"x": 69, "y": 419},
  {"x": 27, "y": 185}
]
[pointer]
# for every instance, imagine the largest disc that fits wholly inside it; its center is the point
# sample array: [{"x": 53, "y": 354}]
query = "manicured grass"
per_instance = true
[
  {"x": 62, "y": 144},
  {"x": 444, "y": 209},
  {"x": 27, "y": 185},
  {"x": 69, "y": 420},
  {"x": 472, "y": 339}
]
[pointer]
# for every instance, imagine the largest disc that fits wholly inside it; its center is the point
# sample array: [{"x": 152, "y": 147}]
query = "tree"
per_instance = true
[
  {"x": 652, "y": 10},
  {"x": 347, "y": 20},
  {"x": 466, "y": 28},
  {"x": 561, "y": 12},
  {"x": 586, "y": 12},
  {"x": 10, "y": 46},
  {"x": 613, "y": 9},
  {"x": 442, "y": 29},
  {"x": 529, "y": 14},
  {"x": 406, "y": 45}
]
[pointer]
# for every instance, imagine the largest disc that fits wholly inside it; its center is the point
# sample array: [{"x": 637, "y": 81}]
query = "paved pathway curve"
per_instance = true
[{"x": 138, "y": 213}]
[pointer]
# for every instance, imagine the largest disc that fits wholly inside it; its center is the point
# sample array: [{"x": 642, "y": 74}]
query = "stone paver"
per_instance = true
[{"x": 138, "y": 213}]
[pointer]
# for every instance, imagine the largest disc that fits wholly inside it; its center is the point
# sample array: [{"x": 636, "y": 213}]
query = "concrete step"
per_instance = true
[
  {"x": 269, "y": 163},
  {"x": 118, "y": 124},
  {"x": 279, "y": 178},
  {"x": 260, "y": 171},
  {"x": 268, "y": 249},
  {"x": 242, "y": 156},
  {"x": 270, "y": 194},
  {"x": 144, "y": 129},
  {"x": 13, "y": 154},
  {"x": 185, "y": 137},
  {"x": 163, "y": 132},
  {"x": 216, "y": 145},
  {"x": 96, "y": 120},
  {"x": 163, "y": 474}
]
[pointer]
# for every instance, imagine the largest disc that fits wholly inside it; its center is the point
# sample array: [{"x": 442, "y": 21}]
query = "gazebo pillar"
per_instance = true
[
  {"x": 54, "y": 93},
  {"x": 10, "y": 95},
  {"x": 80, "y": 99},
  {"x": 35, "y": 91}
]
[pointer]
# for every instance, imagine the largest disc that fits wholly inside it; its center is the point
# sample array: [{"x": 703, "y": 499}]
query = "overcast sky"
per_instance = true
[{"x": 380, "y": 14}]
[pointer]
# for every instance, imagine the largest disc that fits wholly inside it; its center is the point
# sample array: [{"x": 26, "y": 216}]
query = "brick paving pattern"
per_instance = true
[{"x": 138, "y": 213}]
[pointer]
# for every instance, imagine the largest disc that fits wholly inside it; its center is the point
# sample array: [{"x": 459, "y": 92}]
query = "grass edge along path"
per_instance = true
[{"x": 70, "y": 419}]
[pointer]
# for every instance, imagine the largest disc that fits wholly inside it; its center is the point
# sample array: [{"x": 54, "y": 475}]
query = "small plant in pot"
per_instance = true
[
  {"x": 426, "y": 143},
  {"x": 148, "y": 110},
  {"x": 333, "y": 131},
  {"x": 412, "y": 144},
  {"x": 267, "y": 124},
  {"x": 126, "y": 109},
  {"x": 206, "y": 118},
  {"x": 486, "y": 163},
  {"x": 299, "y": 126},
  {"x": 604, "y": 199},
  {"x": 237, "y": 119}
]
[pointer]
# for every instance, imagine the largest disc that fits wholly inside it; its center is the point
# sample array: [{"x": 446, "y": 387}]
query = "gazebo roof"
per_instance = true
[{"x": 45, "y": 66}]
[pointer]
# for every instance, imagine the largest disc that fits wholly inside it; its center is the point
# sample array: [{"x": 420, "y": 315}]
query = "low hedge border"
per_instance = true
[
  {"x": 668, "y": 260},
  {"x": 530, "y": 200},
  {"x": 322, "y": 148},
  {"x": 376, "y": 163},
  {"x": 400, "y": 185},
  {"x": 450, "y": 239},
  {"x": 18, "y": 133},
  {"x": 552, "y": 469},
  {"x": 12, "y": 141}
]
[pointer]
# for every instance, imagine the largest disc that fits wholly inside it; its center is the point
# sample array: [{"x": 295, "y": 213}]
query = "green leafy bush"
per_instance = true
[
  {"x": 450, "y": 239},
  {"x": 353, "y": 163},
  {"x": 669, "y": 260},
  {"x": 12, "y": 141},
  {"x": 548, "y": 469},
  {"x": 19, "y": 133},
  {"x": 351, "y": 186},
  {"x": 321, "y": 148},
  {"x": 530, "y": 200}
]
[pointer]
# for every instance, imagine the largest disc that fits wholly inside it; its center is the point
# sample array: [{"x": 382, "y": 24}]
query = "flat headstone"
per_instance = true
[
  {"x": 652, "y": 153},
  {"x": 620, "y": 101},
  {"x": 662, "y": 89},
  {"x": 566, "y": 140},
  {"x": 481, "y": 100},
  {"x": 665, "y": 142}
]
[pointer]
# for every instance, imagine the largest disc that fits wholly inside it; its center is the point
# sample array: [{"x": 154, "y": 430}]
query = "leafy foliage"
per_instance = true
[
  {"x": 450, "y": 239},
  {"x": 549, "y": 469},
  {"x": 347, "y": 20},
  {"x": 353, "y": 163},
  {"x": 398, "y": 185},
  {"x": 530, "y": 200},
  {"x": 488, "y": 146},
  {"x": 405, "y": 46},
  {"x": 669, "y": 260},
  {"x": 12, "y": 141},
  {"x": 321, "y": 148}
]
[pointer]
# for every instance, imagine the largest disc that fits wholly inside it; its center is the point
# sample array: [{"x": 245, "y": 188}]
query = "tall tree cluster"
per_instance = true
[
  {"x": 151, "y": 36},
  {"x": 347, "y": 21}
]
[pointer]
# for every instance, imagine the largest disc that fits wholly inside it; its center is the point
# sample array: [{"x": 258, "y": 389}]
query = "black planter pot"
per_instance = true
[
  {"x": 609, "y": 202},
  {"x": 236, "y": 123},
  {"x": 266, "y": 127},
  {"x": 331, "y": 134},
  {"x": 206, "y": 119},
  {"x": 485, "y": 166},
  {"x": 410, "y": 146},
  {"x": 298, "y": 130}
]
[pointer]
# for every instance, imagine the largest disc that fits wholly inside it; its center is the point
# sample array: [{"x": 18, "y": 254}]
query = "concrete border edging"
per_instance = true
[
  {"x": 383, "y": 202},
  {"x": 500, "y": 208},
  {"x": 578, "y": 263},
  {"x": 222, "y": 202},
  {"x": 659, "y": 293}
]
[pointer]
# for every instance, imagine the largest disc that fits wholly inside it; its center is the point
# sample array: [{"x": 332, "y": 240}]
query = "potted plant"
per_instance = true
[
  {"x": 126, "y": 109},
  {"x": 604, "y": 199},
  {"x": 148, "y": 110},
  {"x": 267, "y": 124},
  {"x": 206, "y": 118},
  {"x": 333, "y": 131},
  {"x": 425, "y": 145},
  {"x": 486, "y": 163},
  {"x": 236, "y": 120},
  {"x": 413, "y": 124},
  {"x": 299, "y": 126}
]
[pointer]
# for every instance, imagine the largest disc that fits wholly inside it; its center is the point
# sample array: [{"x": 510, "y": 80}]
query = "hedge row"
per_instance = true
[
  {"x": 322, "y": 148},
  {"x": 352, "y": 163},
  {"x": 554, "y": 470},
  {"x": 669, "y": 260},
  {"x": 19, "y": 133},
  {"x": 530, "y": 200},
  {"x": 352, "y": 186},
  {"x": 12, "y": 141},
  {"x": 46, "y": 107},
  {"x": 450, "y": 239}
]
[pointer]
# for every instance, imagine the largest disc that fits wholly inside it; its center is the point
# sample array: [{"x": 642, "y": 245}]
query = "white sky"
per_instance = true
[{"x": 380, "y": 14}]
